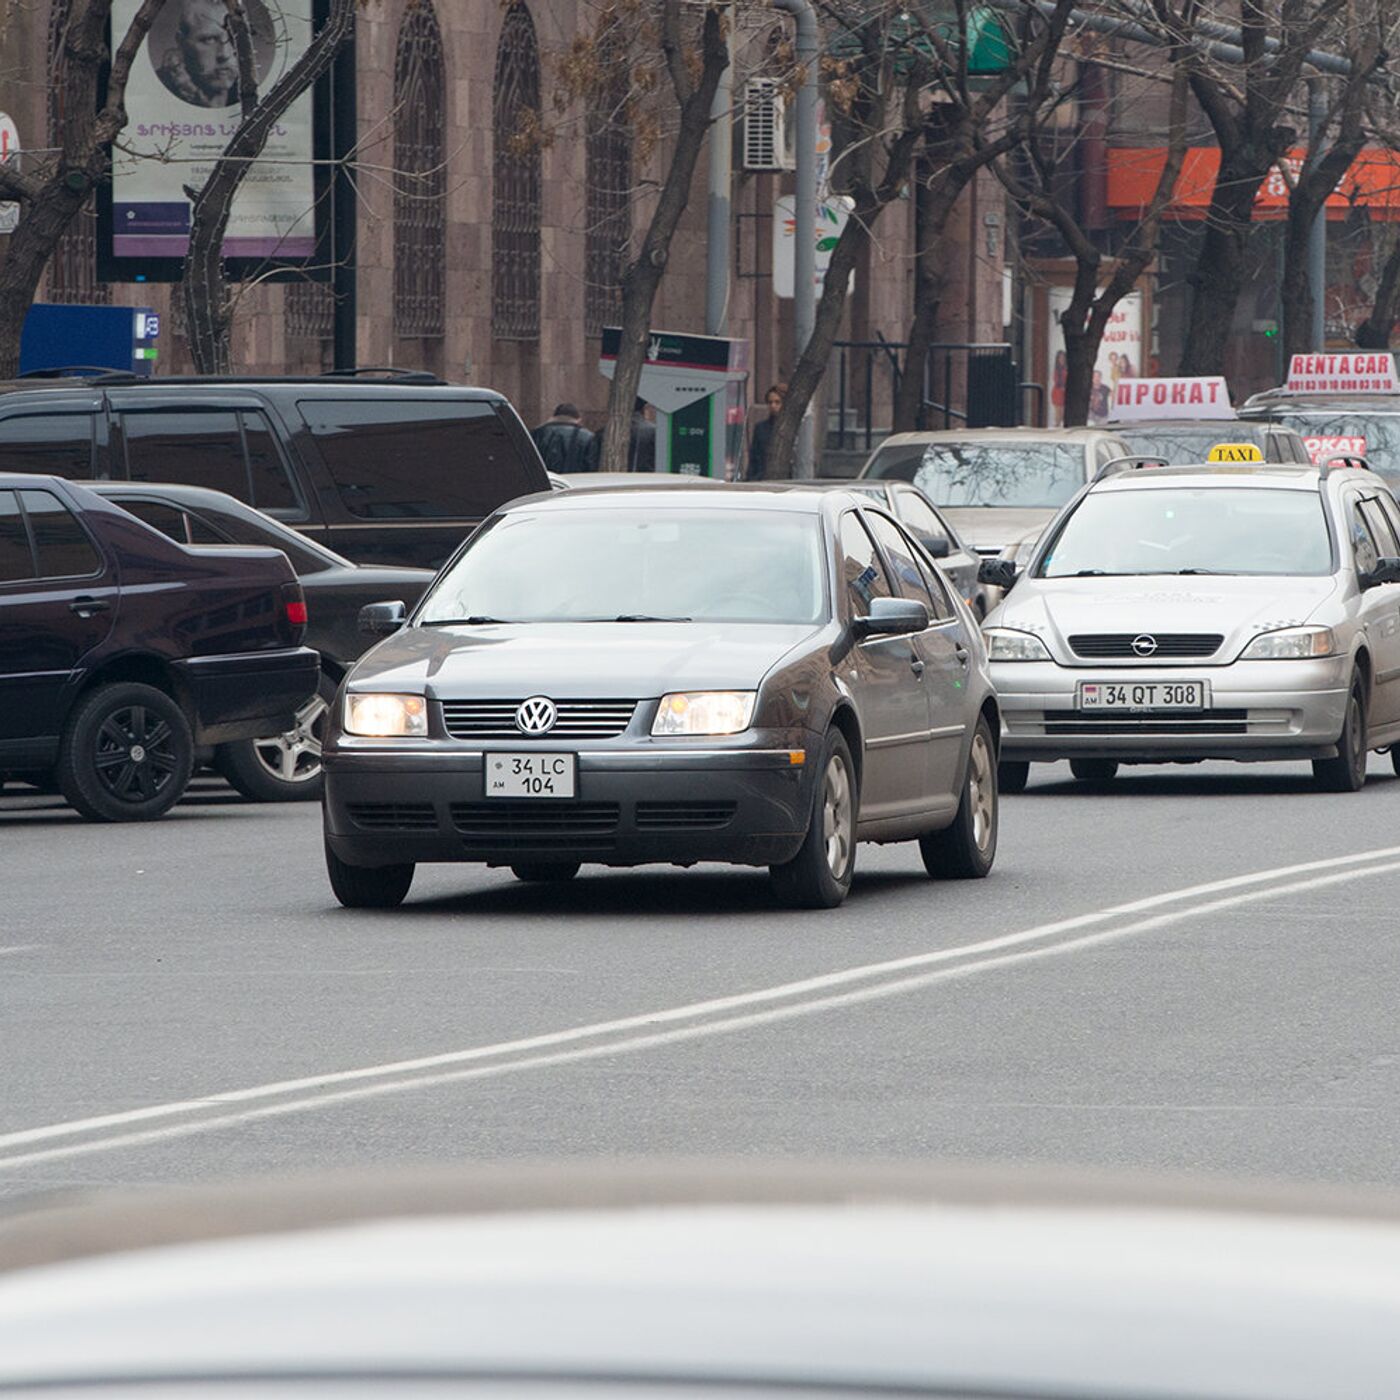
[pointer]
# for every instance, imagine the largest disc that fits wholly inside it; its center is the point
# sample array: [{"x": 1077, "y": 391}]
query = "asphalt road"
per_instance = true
[{"x": 183, "y": 1001}]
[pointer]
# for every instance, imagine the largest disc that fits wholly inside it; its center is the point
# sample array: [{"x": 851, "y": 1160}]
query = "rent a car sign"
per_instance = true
[
  {"x": 1350, "y": 373},
  {"x": 1204, "y": 396}
]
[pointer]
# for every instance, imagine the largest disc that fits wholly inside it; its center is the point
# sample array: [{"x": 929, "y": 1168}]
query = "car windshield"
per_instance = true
[
  {"x": 603, "y": 565},
  {"x": 1185, "y": 443},
  {"x": 1007, "y": 474},
  {"x": 1375, "y": 436},
  {"x": 1200, "y": 530}
]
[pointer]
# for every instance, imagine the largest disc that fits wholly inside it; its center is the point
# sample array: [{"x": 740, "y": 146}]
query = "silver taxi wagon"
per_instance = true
[{"x": 1247, "y": 612}]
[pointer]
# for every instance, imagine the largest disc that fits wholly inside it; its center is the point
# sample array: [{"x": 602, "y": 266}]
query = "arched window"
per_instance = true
[
  {"x": 515, "y": 212},
  {"x": 607, "y": 189},
  {"x": 73, "y": 267},
  {"x": 420, "y": 174}
]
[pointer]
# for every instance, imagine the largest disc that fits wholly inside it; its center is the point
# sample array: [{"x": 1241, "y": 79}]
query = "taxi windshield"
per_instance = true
[
  {"x": 1180, "y": 530},
  {"x": 636, "y": 565},
  {"x": 1005, "y": 474}
]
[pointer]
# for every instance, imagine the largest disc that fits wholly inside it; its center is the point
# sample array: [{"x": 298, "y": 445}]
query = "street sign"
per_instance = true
[
  {"x": 1366, "y": 372},
  {"x": 9, "y": 151},
  {"x": 1206, "y": 396}
]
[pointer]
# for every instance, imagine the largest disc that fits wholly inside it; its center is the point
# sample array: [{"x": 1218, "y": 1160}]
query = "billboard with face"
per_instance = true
[{"x": 184, "y": 104}]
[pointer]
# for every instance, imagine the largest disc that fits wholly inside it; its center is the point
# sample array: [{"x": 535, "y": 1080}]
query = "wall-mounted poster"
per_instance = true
[
  {"x": 1119, "y": 357},
  {"x": 183, "y": 103}
]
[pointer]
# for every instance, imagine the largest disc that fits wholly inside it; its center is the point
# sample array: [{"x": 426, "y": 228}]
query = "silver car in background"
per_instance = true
[{"x": 1183, "y": 613}]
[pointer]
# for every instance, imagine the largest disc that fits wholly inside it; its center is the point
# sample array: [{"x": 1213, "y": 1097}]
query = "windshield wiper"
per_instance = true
[
  {"x": 646, "y": 617},
  {"x": 1199, "y": 571},
  {"x": 476, "y": 620}
]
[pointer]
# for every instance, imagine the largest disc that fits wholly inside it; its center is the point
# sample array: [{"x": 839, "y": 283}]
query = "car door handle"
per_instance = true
[
  {"x": 85, "y": 607},
  {"x": 961, "y": 653},
  {"x": 916, "y": 665}
]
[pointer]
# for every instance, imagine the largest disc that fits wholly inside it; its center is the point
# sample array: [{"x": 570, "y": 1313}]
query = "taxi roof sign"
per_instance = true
[
  {"x": 1204, "y": 396},
  {"x": 1364, "y": 372},
  {"x": 1235, "y": 452}
]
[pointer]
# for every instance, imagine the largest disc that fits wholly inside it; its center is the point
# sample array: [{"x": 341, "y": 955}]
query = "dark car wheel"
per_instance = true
[
  {"x": 1347, "y": 772},
  {"x": 544, "y": 871},
  {"x": 368, "y": 886},
  {"x": 1395, "y": 758},
  {"x": 282, "y": 767},
  {"x": 1012, "y": 776},
  {"x": 967, "y": 849},
  {"x": 1095, "y": 771},
  {"x": 126, "y": 755},
  {"x": 819, "y": 876}
]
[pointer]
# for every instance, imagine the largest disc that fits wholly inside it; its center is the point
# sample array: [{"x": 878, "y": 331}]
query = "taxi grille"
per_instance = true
[
  {"x": 507, "y": 824},
  {"x": 577, "y": 719},
  {"x": 1185, "y": 722},
  {"x": 1170, "y": 645}
]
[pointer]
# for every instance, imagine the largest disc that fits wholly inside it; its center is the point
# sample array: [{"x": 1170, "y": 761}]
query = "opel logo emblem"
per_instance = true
[
  {"x": 536, "y": 715},
  {"x": 1144, "y": 645}
]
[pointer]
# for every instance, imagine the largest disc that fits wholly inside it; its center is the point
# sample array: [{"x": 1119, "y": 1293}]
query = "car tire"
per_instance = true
[
  {"x": 1395, "y": 758},
  {"x": 126, "y": 754},
  {"x": 1012, "y": 776},
  {"x": 1097, "y": 772},
  {"x": 368, "y": 886},
  {"x": 967, "y": 849},
  {"x": 1347, "y": 772},
  {"x": 283, "y": 767},
  {"x": 819, "y": 876},
  {"x": 545, "y": 872}
]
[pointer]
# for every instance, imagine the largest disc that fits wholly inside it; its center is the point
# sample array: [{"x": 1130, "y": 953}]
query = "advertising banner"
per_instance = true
[
  {"x": 1119, "y": 357},
  {"x": 1362, "y": 372},
  {"x": 184, "y": 105},
  {"x": 1207, "y": 396}
]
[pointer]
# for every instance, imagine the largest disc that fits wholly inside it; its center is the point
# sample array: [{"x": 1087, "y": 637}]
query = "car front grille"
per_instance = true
[
  {"x": 577, "y": 719},
  {"x": 393, "y": 816},
  {"x": 1204, "y": 722},
  {"x": 1170, "y": 645},
  {"x": 684, "y": 816},
  {"x": 534, "y": 825}
]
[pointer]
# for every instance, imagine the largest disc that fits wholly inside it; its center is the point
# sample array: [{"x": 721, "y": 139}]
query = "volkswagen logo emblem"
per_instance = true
[
  {"x": 1143, "y": 645},
  {"x": 536, "y": 715}
]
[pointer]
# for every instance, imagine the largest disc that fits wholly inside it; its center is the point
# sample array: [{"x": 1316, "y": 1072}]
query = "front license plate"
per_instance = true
[
  {"x": 530, "y": 775},
  {"x": 1142, "y": 695}
]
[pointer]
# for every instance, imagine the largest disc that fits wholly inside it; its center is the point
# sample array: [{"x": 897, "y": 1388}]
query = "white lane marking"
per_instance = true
[
  {"x": 391, "y": 1082},
  {"x": 20, "y": 948}
]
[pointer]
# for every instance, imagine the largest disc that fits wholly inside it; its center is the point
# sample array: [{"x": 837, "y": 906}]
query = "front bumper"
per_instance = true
[
  {"x": 639, "y": 805},
  {"x": 1257, "y": 711}
]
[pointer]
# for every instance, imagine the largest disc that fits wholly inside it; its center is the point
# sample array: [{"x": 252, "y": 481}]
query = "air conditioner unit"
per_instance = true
[{"x": 766, "y": 144}]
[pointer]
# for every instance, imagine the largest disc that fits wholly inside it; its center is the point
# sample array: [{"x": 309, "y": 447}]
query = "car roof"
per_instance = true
[
  {"x": 1216, "y": 425},
  {"x": 764, "y": 495},
  {"x": 176, "y": 491},
  {"x": 1281, "y": 398},
  {"x": 395, "y": 383},
  {"x": 1023, "y": 434},
  {"x": 1283, "y": 476}
]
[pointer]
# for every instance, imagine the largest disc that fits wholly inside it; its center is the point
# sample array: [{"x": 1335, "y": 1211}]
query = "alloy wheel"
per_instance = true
[
  {"x": 982, "y": 792},
  {"x": 136, "y": 754},
  {"x": 838, "y": 816},
  {"x": 295, "y": 756}
]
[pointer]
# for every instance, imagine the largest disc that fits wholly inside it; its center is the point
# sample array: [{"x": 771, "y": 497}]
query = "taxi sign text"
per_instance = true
[
  {"x": 1235, "y": 452},
  {"x": 1352, "y": 373},
  {"x": 1207, "y": 396},
  {"x": 1322, "y": 447}
]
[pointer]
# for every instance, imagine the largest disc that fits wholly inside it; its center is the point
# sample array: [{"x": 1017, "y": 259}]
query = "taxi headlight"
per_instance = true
[
  {"x": 1292, "y": 644},
  {"x": 1006, "y": 644},
  {"x": 386, "y": 716},
  {"x": 705, "y": 712}
]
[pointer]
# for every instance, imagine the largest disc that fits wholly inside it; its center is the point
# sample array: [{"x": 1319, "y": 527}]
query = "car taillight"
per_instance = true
[{"x": 294, "y": 611}]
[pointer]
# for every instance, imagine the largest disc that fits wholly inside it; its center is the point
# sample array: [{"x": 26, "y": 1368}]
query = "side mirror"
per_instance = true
[
  {"x": 999, "y": 573},
  {"x": 937, "y": 545},
  {"x": 892, "y": 617},
  {"x": 382, "y": 619},
  {"x": 1387, "y": 570}
]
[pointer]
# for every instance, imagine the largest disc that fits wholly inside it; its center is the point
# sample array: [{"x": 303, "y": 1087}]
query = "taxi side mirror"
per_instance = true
[
  {"x": 999, "y": 573},
  {"x": 891, "y": 617},
  {"x": 1387, "y": 570},
  {"x": 938, "y": 546},
  {"x": 382, "y": 619}
]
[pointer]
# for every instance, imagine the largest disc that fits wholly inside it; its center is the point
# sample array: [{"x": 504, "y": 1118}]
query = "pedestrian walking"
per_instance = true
[
  {"x": 763, "y": 433},
  {"x": 641, "y": 451},
  {"x": 565, "y": 444}
]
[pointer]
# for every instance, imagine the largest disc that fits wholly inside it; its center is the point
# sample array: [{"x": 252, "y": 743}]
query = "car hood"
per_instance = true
[
  {"x": 1238, "y": 607},
  {"x": 605, "y": 660},
  {"x": 991, "y": 529}
]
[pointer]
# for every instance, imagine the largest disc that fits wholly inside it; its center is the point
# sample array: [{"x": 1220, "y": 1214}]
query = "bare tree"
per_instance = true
[
  {"x": 204, "y": 286},
  {"x": 1098, "y": 288},
  {"x": 54, "y": 189},
  {"x": 906, "y": 62}
]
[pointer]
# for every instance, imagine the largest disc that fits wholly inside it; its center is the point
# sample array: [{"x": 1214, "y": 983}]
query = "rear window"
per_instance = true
[
  {"x": 1183, "y": 443},
  {"x": 1004, "y": 473},
  {"x": 394, "y": 459},
  {"x": 1375, "y": 436},
  {"x": 54, "y": 444}
]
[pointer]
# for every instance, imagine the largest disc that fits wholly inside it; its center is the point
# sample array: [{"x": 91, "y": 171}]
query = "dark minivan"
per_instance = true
[{"x": 392, "y": 469}]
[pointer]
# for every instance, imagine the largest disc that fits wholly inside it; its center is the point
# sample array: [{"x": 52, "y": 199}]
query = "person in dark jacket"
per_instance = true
[
  {"x": 641, "y": 450},
  {"x": 763, "y": 434},
  {"x": 565, "y": 444}
]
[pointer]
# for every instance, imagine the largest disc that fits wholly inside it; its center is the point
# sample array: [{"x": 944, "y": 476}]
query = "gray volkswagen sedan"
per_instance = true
[{"x": 631, "y": 676}]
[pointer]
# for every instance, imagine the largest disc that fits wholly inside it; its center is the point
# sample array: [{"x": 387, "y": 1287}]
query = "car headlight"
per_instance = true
[
  {"x": 1291, "y": 644},
  {"x": 705, "y": 712},
  {"x": 386, "y": 716},
  {"x": 1005, "y": 644}
]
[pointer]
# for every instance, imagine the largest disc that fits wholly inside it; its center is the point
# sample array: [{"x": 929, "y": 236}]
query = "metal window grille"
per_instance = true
[
  {"x": 515, "y": 213},
  {"x": 72, "y": 274},
  {"x": 310, "y": 311},
  {"x": 420, "y": 174},
  {"x": 607, "y": 205}
]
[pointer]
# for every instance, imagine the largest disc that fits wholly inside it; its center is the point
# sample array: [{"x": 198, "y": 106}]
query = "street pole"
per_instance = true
[
  {"x": 718, "y": 230},
  {"x": 344, "y": 141},
  {"x": 804, "y": 291},
  {"x": 1317, "y": 235}
]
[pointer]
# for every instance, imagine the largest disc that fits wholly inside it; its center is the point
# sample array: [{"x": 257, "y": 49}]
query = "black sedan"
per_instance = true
[
  {"x": 622, "y": 677},
  {"x": 284, "y": 767}
]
